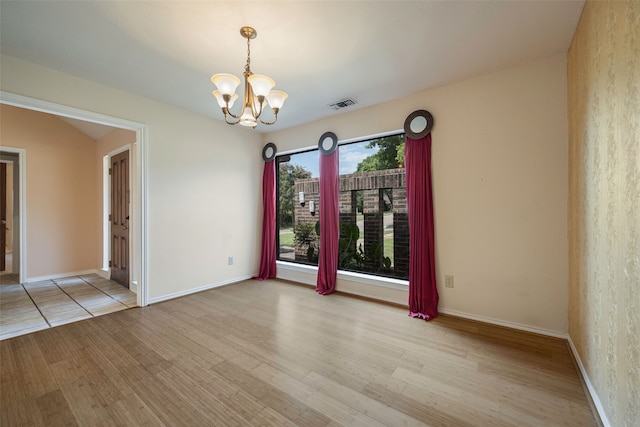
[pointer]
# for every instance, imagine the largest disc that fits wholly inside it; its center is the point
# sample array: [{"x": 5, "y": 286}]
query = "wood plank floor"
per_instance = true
[{"x": 277, "y": 354}]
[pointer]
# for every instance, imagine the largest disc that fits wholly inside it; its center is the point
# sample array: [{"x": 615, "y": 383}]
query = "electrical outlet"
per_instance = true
[
  {"x": 448, "y": 281},
  {"x": 230, "y": 260}
]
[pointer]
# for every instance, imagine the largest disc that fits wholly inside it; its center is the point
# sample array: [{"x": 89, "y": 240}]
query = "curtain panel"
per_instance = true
[
  {"x": 423, "y": 293},
  {"x": 329, "y": 215},
  {"x": 268, "y": 249}
]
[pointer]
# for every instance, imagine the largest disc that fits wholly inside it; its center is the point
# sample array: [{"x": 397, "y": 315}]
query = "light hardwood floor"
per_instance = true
[{"x": 275, "y": 353}]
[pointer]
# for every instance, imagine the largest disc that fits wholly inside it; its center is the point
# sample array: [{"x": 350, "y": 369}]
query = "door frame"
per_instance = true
[
  {"x": 139, "y": 196},
  {"x": 21, "y": 227}
]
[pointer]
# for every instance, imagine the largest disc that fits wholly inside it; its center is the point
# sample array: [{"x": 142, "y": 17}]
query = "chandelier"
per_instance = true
[{"x": 257, "y": 92}]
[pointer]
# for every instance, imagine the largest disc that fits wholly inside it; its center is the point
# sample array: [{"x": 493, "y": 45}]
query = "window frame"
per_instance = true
[
  {"x": 299, "y": 266},
  {"x": 277, "y": 158}
]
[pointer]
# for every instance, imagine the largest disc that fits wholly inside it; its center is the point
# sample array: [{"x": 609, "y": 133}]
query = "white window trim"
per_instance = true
[{"x": 367, "y": 279}]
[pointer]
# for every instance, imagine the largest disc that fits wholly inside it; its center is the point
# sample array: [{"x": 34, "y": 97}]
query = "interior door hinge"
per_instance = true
[
  {"x": 110, "y": 263},
  {"x": 110, "y": 217},
  {"x": 109, "y": 171}
]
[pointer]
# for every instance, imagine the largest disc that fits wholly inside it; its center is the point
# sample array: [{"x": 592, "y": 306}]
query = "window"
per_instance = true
[
  {"x": 374, "y": 228},
  {"x": 298, "y": 237}
]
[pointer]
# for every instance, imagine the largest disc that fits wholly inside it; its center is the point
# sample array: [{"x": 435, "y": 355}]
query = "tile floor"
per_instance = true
[{"x": 30, "y": 307}]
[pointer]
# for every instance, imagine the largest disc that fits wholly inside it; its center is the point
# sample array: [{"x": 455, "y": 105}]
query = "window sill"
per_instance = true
[
  {"x": 350, "y": 276},
  {"x": 370, "y": 279}
]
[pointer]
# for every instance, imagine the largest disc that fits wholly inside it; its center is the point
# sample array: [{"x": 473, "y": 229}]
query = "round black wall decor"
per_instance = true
[
  {"x": 269, "y": 152},
  {"x": 418, "y": 124},
  {"x": 328, "y": 143}
]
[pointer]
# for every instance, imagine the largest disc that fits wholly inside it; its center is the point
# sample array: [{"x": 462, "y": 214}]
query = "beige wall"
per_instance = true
[
  {"x": 60, "y": 191},
  {"x": 604, "y": 204},
  {"x": 500, "y": 190},
  {"x": 499, "y": 170},
  {"x": 203, "y": 180}
]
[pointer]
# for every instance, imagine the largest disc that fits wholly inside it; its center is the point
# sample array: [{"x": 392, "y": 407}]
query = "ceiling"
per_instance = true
[
  {"x": 319, "y": 52},
  {"x": 92, "y": 130}
]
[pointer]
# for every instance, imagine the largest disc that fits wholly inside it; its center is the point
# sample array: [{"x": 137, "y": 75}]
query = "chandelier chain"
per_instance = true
[{"x": 248, "y": 66}]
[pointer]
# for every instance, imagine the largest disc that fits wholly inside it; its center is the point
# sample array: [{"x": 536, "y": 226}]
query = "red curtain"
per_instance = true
[
  {"x": 423, "y": 293},
  {"x": 268, "y": 254},
  {"x": 329, "y": 224}
]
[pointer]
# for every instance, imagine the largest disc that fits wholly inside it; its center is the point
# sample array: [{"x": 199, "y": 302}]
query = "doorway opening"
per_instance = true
[
  {"x": 12, "y": 214},
  {"x": 137, "y": 221}
]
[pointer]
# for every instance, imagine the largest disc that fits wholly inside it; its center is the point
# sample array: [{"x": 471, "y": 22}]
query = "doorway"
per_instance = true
[
  {"x": 137, "y": 265},
  {"x": 12, "y": 213}
]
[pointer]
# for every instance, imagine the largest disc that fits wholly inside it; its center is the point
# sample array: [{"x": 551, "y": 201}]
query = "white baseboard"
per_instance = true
[
  {"x": 196, "y": 290},
  {"x": 506, "y": 324},
  {"x": 592, "y": 391},
  {"x": 61, "y": 275}
]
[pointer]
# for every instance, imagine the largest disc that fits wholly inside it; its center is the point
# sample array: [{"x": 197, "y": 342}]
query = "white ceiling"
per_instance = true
[
  {"x": 318, "y": 51},
  {"x": 93, "y": 130}
]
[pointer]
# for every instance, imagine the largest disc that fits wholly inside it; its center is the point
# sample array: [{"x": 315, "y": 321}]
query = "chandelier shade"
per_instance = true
[
  {"x": 260, "y": 84},
  {"x": 226, "y": 83},
  {"x": 276, "y": 98},
  {"x": 221, "y": 101},
  {"x": 257, "y": 92}
]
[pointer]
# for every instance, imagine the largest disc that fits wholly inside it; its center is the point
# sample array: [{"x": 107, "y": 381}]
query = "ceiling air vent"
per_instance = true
[{"x": 342, "y": 104}]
